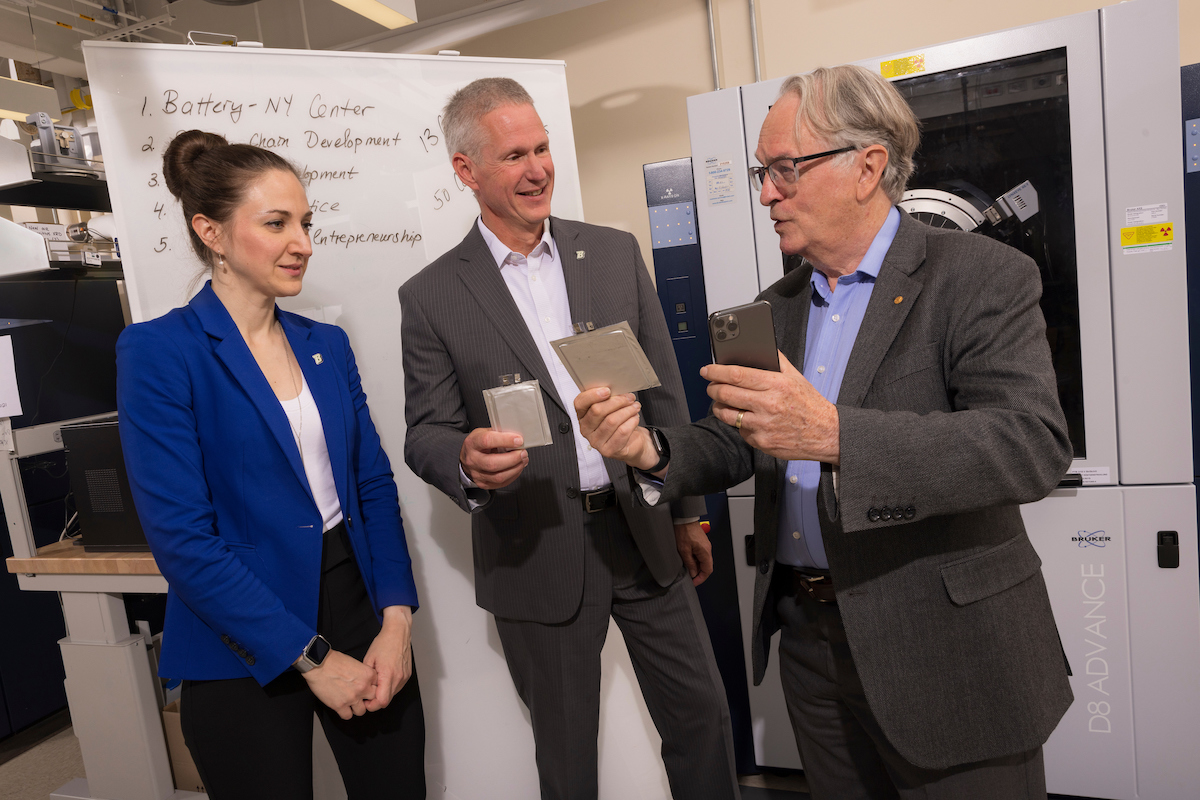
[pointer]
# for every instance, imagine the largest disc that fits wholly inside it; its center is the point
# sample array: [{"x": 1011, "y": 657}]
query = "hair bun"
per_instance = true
[{"x": 182, "y": 152}]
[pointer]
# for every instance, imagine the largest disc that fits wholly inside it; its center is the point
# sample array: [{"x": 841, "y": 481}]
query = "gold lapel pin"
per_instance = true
[
  {"x": 317, "y": 359},
  {"x": 578, "y": 255},
  {"x": 899, "y": 299}
]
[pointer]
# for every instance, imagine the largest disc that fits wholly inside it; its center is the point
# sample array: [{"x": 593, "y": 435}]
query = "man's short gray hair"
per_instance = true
[
  {"x": 467, "y": 106},
  {"x": 852, "y": 106}
]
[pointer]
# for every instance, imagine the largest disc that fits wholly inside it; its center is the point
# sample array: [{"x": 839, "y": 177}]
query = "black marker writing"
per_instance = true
[
  {"x": 320, "y": 237},
  {"x": 329, "y": 174},
  {"x": 262, "y": 140},
  {"x": 349, "y": 141},
  {"x": 319, "y": 110},
  {"x": 274, "y": 103},
  {"x": 200, "y": 108}
]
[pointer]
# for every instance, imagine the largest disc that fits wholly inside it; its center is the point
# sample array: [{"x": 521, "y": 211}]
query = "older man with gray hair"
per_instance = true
[
  {"x": 918, "y": 655},
  {"x": 560, "y": 545}
]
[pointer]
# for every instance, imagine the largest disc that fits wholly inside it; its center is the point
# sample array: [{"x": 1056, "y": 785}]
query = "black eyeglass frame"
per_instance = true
[{"x": 758, "y": 175}]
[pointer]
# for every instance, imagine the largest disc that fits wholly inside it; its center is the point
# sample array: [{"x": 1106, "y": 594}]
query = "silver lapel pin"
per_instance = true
[{"x": 317, "y": 359}]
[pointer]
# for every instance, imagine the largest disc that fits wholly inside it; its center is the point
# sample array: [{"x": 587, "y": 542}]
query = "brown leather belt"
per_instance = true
[
  {"x": 599, "y": 500},
  {"x": 816, "y": 583}
]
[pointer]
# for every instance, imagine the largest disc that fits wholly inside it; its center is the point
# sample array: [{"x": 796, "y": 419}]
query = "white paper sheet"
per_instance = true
[{"x": 10, "y": 398}]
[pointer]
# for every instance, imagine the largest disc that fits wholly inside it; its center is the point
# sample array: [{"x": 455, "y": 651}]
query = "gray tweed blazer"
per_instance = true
[
  {"x": 461, "y": 330},
  {"x": 949, "y": 419}
]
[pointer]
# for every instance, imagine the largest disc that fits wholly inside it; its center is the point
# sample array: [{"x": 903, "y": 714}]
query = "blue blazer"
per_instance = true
[{"x": 221, "y": 491}]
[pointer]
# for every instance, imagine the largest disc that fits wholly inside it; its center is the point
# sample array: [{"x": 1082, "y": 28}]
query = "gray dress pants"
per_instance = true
[
  {"x": 844, "y": 752},
  {"x": 556, "y": 670}
]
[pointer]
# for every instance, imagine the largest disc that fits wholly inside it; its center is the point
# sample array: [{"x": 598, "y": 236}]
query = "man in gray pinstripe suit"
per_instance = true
[
  {"x": 560, "y": 546},
  {"x": 918, "y": 656}
]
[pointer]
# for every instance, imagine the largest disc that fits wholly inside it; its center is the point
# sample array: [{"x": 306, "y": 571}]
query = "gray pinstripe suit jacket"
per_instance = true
[
  {"x": 949, "y": 409},
  {"x": 461, "y": 331}
]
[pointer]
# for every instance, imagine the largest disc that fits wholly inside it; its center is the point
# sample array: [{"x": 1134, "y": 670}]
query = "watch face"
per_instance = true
[
  {"x": 656, "y": 440},
  {"x": 318, "y": 650}
]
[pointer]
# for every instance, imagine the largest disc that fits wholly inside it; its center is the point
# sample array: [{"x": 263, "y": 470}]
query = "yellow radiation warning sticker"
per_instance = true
[
  {"x": 899, "y": 67},
  {"x": 1148, "y": 230}
]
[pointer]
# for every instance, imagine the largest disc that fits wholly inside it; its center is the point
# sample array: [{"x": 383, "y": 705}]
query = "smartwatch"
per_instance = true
[
  {"x": 314, "y": 654},
  {"x": 661, "y": 448}
]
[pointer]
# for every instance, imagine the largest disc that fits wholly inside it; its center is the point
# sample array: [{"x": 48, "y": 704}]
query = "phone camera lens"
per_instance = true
[
  {"x": 720, "y": 336},
  {"x": 733, "y": 326},
  {"x": 720, "y": 322}
]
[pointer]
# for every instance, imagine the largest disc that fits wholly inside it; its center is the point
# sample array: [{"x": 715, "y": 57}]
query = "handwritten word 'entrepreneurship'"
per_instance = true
[{"x": 320, "y": 237}]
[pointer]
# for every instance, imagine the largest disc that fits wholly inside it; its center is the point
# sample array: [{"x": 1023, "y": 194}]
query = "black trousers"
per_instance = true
[{"x": 255, "y": 742}]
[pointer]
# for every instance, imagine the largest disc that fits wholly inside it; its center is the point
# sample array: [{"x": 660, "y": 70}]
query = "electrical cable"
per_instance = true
[
  {"x": 110, "y": 10},
  {"x": 67, "y": 527},
  {"x": 304, "y": 25},
  {"x": 70, "y": 13},
  {"x": 32, "y": 33},
  {"x": 44, "y": 466}
]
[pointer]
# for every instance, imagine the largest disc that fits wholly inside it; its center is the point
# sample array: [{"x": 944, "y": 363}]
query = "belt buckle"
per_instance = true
[
  {"x": 587, "y": 500},
  {"x": 810, "y": 582}
]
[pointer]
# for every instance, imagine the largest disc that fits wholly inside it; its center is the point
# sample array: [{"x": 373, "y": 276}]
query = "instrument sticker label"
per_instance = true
[
  {"x": 899, "y": 67},
  {"x": 1148, "y": 230},
  {"x": 1093, "y": 476},
  {"x": 719, "y": 179}
]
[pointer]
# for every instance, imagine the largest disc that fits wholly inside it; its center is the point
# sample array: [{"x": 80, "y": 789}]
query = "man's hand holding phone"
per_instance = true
[{"x": 779, "y": 413}]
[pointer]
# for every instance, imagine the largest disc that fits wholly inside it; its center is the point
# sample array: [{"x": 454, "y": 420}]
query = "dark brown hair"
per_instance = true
[{"x": 210, "y": 177}]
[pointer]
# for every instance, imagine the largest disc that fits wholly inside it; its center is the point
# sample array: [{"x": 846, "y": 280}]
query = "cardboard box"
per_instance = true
[{"x": 186, "y": 777}]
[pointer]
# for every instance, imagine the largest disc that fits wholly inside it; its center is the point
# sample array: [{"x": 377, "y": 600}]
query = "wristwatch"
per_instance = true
[
  {"x": 661, "y": 448},
  {"x": 313, "y": 655}
]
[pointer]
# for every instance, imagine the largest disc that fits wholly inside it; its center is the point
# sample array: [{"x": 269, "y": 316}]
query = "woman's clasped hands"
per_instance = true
[{"x": 352, "y": 687}]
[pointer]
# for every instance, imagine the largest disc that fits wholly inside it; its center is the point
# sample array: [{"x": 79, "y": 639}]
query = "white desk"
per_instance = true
[{"x": 110, "y": 682}]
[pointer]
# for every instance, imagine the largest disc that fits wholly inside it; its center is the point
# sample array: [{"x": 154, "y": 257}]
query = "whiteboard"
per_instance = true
[{"x": 365, "y": 128}]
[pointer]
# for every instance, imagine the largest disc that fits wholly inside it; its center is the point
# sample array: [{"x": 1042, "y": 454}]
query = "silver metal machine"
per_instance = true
[{"x": 1085, "y": 110}]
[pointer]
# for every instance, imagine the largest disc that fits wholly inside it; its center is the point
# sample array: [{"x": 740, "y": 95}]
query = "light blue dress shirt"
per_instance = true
[{"x": 833, "y": 323}]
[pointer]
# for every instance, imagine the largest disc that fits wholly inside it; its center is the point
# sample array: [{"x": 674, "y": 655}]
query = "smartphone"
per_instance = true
[{"x": 744, "y": 335}]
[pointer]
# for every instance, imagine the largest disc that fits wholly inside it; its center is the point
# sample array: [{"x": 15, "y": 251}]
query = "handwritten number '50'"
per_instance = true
[{"x": 440, "y": 198}]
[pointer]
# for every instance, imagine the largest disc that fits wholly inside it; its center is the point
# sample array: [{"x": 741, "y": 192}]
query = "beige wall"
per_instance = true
[{"x": 631, "y": 64}]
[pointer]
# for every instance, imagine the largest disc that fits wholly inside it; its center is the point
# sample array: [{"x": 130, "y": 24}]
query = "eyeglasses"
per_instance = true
[{"x": 779, "y": 170}]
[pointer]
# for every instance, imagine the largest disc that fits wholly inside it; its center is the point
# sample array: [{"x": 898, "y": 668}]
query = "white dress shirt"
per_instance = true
[{"x": 539, "y": 289}]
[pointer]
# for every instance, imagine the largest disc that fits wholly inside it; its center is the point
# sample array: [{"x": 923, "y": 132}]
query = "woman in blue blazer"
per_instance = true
[{"x": 269, "y": 504}]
